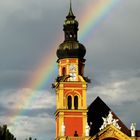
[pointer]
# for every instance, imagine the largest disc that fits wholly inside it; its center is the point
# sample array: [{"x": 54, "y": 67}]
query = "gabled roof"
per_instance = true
[{"x": 98, "y": 109}]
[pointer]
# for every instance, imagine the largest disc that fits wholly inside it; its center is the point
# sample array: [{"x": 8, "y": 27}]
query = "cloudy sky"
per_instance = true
[{"x": 29, "y": 30}]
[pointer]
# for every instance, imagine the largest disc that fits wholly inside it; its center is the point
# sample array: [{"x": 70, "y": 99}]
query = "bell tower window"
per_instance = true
[
  {"x": 75, "y": 102},
  {"x": 63, "y": 71},
  {"x": 69, "y": 102}
]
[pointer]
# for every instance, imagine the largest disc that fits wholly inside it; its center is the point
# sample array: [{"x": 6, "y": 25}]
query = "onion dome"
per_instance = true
[{"x": 71, "y": 48}]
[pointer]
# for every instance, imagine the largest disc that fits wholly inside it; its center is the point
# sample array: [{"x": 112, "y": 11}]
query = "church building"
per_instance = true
[{"x": 74, "y": 120}]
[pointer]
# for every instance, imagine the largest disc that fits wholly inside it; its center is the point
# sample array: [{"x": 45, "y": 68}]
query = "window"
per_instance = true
[
  {"x": 63, "y": 71},
  {"x": 69, "y": 102},
  {"x": 75, "y": 102}
]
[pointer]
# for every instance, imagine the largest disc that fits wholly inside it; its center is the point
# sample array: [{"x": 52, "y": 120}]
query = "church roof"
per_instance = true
[
  {"x": 138, "y": 133},
  {"x": 98, "y": 109}
]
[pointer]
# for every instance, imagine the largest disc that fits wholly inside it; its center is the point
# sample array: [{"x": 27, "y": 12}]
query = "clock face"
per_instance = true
[
  {"x": 72, "y": 76},
  {"x": 72, "y": 67}
]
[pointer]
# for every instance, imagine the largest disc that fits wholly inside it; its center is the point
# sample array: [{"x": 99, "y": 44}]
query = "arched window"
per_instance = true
[
  {"x": 75, "y": 102},
  {"x": 63, "y": 71},
  {"x": 69, "y": 102}
]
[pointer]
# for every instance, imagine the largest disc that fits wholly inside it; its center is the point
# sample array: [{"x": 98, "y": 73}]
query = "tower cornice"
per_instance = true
[{"x": 72, "y": 111}]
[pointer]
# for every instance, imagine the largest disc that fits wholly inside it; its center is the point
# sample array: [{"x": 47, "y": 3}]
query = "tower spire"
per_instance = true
[
  {"x": 70, "y": 14},
  {"x": 71, "y": 48}
]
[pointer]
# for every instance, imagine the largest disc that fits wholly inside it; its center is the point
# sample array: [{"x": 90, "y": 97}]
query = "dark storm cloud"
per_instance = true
[
  {"x": 27, "y": 32},
  {"x": 137, "y": 74},
  {"x": 116, "y": 44},
  {"x": 27, "y": 40},
  {"x": 38, "y": 112},
  {"x": 25, "y": 36},
  {"x": 3, "y": 110},
  {"x": 13, "y": 78}
]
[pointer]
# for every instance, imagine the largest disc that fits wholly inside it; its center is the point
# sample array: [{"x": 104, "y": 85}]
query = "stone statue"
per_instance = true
[
  {"x": 87, "y": 129},
  {"x": 63, "y": 129},
  {"x": 109, "y": 120},
  {"x": 133, "y": 129}
]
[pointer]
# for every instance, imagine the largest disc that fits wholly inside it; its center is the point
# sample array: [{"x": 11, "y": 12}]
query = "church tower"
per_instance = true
[{"x": 71, "y": 107}]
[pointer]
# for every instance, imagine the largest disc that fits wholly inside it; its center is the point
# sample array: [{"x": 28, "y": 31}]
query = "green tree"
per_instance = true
[
  {"x": 5, "y": 134},
  {"x": 30, "y": 138}
]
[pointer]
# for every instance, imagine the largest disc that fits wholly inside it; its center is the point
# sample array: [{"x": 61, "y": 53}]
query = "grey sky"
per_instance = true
[{"x": 29, "y": 28}]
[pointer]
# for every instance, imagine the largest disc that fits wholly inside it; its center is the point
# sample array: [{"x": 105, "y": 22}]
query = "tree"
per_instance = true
[
  {"x": 5, "y": 134},
  {"x": 30, "y": 138}
]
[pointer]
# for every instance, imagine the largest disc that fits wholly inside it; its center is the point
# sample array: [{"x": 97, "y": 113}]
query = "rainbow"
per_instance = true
[
  {"x": 92, "y": 16},
  {"x": 38, "y": 81}
]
